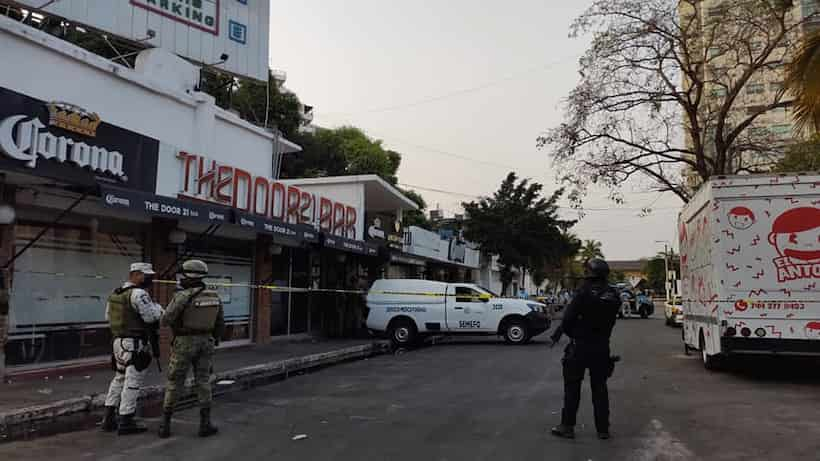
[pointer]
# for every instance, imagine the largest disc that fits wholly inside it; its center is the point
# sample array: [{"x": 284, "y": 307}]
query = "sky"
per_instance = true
[{"x": 462, "y": 89}]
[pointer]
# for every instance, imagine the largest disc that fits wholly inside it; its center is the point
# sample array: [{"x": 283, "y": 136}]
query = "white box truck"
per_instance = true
[
  {"x": 407, "y": 310},
  {"x": 750, "y": 262}
]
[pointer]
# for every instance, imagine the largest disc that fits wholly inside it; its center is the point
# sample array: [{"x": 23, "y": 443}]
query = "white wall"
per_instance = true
[
  {"x": 50, "y": 69},
  {"x": 121, "y": 17},
  {"x": 351, "y": 194}
]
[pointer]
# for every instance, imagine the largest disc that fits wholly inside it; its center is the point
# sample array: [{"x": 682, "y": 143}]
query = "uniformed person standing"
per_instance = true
[
  {"x": 130, "y": 312},
  {"x": 588, "y": 321},
  {"x": 196, "y": 318}
]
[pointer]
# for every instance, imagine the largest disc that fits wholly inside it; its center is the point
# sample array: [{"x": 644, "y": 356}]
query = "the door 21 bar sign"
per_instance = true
[
  {"x": 207, "y": 180},
  {"x": 163, "y": 206}
]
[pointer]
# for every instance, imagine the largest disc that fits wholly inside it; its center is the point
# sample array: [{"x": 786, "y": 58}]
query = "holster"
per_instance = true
[{"x": 141, "y": 360}]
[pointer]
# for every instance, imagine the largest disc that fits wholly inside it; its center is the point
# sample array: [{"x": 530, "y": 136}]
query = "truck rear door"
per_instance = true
[{"x": 466, "y": 311}]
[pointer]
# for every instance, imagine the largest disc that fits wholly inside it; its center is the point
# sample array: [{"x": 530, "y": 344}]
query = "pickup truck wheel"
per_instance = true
[
  {"x": 403, "y": 333},
  {"x": 515, "y": 332}
]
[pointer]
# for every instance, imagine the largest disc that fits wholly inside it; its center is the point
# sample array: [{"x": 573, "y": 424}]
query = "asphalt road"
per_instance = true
[{"x": 483, "y": 400}]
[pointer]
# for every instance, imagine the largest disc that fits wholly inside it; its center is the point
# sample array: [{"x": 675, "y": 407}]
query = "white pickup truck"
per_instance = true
[{"x": 407, "y": 310}]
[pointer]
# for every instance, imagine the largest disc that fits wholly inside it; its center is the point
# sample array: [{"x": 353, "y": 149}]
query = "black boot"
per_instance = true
[
  {"x": 206, "y": 429},
  {"x": 128, "y": 425},
  {"x": 567, "y": 432},
  {"x": 165, "y": 426},
  {"x": 109, "y": 422}
]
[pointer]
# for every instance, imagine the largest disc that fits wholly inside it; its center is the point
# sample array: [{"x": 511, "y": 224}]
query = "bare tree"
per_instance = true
[{"x": 669, "y": 90}]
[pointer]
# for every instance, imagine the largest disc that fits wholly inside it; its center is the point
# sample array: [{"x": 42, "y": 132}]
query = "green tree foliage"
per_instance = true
[
  {"x": 654, "y": 269},
  {"x": 803, "y": 156},
  {"x": 416, "y": 217},
  {"x": 802, "y": 79},
  {"x": 591, "y": 249},
  {"x": 341, "y": 151},
  {"x": 617, "y": 276},
  {"x": 520, "y": 226}
]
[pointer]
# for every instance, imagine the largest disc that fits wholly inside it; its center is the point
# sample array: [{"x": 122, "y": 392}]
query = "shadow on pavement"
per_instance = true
[{"x": 775, "y": 369}]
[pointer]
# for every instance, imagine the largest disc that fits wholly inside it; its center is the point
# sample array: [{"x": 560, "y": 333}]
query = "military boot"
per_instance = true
[
  {"x": 128, "y": 425},
  {"x": 165, "y": 426},
  {"x": 109, "y": 422},
  {"x": 206, "y": 429}
]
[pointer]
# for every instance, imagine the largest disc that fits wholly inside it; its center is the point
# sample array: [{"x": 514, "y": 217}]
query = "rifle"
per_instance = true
[{"x": 153, "y": 339}]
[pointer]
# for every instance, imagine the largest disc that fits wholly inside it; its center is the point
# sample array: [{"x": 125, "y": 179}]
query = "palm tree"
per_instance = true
[
  {"x": 591, "y": 249},
  {"x": 803, "y": 81}
]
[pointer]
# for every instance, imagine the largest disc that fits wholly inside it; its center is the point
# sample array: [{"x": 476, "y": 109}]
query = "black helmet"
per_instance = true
[{"x": 596, "y": 269}]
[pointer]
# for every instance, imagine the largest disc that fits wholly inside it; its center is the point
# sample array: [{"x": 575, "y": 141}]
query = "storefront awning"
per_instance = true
[
  {"x": 158, "y": 205},
  {"x": 404, "y": 258},
  {"x": 284, "y": 234},
  {"x": 351, "y": 246}
]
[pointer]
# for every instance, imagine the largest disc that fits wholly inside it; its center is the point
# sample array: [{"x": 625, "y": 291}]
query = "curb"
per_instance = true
[{"x": 83, "y": 412}]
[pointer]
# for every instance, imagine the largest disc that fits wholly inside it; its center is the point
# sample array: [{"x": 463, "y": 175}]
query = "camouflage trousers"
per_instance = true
[{"x": 190, "y": 352}]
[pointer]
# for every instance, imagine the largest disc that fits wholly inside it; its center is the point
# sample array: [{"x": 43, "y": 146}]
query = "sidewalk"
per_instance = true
[{"x": 53, "y": 404}]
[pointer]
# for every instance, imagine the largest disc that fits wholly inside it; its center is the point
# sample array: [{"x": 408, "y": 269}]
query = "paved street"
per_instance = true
[{"x": 482, "y": 400}]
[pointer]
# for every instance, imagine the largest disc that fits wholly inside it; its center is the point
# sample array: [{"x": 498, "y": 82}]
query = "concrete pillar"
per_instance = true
[
  {"x": 7, "y": 238},
  {"x": 162, "y": 255},
  {"x": 263, "y": 298}
]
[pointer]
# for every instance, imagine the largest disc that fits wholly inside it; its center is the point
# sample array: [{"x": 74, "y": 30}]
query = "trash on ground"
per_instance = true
[
  {"x": 45, "y": 391},
  {"x": 225, "y": 382},
  {"x": 300, "y": 437}
]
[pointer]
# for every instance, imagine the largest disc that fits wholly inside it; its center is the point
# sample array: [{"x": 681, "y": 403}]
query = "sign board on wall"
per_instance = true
[
  {"x": 65, "y": 142},
  {"x": 252, "y": 194},
  {"x": 199, "y": 30}
]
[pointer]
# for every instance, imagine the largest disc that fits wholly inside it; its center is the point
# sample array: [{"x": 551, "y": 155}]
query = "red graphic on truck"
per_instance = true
[
  {"x": 741, "y": 218},
  {"x": 796, "y": 236},
  {"x": 813, "y": 330},
  {"x": 741, "y": 305}
]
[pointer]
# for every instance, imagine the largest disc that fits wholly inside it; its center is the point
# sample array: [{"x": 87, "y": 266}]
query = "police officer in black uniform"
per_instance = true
[{"x": 588, "y": 322}]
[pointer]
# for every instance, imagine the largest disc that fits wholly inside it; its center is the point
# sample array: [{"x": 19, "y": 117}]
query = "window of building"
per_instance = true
[
  {"x": 776, "y": 86},
  {"x": 758, "y": 132},
  {"x": 781, "y": 131},
  {"x": 717, "y": 11},
  {"x": 718, "y": 92},
  {"x": 755, "y": 88}
]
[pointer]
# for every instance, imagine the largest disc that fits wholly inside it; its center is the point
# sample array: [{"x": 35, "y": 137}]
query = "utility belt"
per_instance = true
[{"x": 140, "y": 356}]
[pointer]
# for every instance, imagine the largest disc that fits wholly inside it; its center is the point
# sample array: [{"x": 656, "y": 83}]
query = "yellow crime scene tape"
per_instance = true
[{"x": 276, "y": 288}]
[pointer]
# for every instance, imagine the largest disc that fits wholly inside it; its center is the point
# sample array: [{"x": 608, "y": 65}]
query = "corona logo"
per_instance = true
[{"x": 72, "y": 118}]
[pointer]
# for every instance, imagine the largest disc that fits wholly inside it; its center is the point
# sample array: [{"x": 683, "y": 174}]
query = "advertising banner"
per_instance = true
[{"x": 62, "y": 141}]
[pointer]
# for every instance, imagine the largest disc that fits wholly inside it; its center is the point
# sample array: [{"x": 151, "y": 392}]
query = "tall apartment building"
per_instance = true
[{"x": 728, "y": 37}]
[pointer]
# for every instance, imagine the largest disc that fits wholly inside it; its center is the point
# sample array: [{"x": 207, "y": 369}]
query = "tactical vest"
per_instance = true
[
  {"x": 125, "y": 321},
  {"x": 199, "y": 316}
]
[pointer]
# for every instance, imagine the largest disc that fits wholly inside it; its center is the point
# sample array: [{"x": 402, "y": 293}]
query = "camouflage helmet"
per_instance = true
[{"x": 194, "y": 269}]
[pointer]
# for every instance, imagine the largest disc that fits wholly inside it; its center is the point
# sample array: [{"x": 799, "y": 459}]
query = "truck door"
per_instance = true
[{"x": 465, "y": 310}]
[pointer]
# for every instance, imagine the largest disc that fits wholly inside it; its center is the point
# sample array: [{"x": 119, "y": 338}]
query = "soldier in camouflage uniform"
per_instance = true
[
  {"x": 130, "y": 311},
  {"x": 196, "y": 318}
]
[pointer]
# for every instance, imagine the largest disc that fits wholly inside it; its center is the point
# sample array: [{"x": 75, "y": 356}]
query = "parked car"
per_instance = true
[
  {"x": 408, "y": 310},
  {"x": 673, "y": 312},
  {"x": 634, "y": 305}
]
